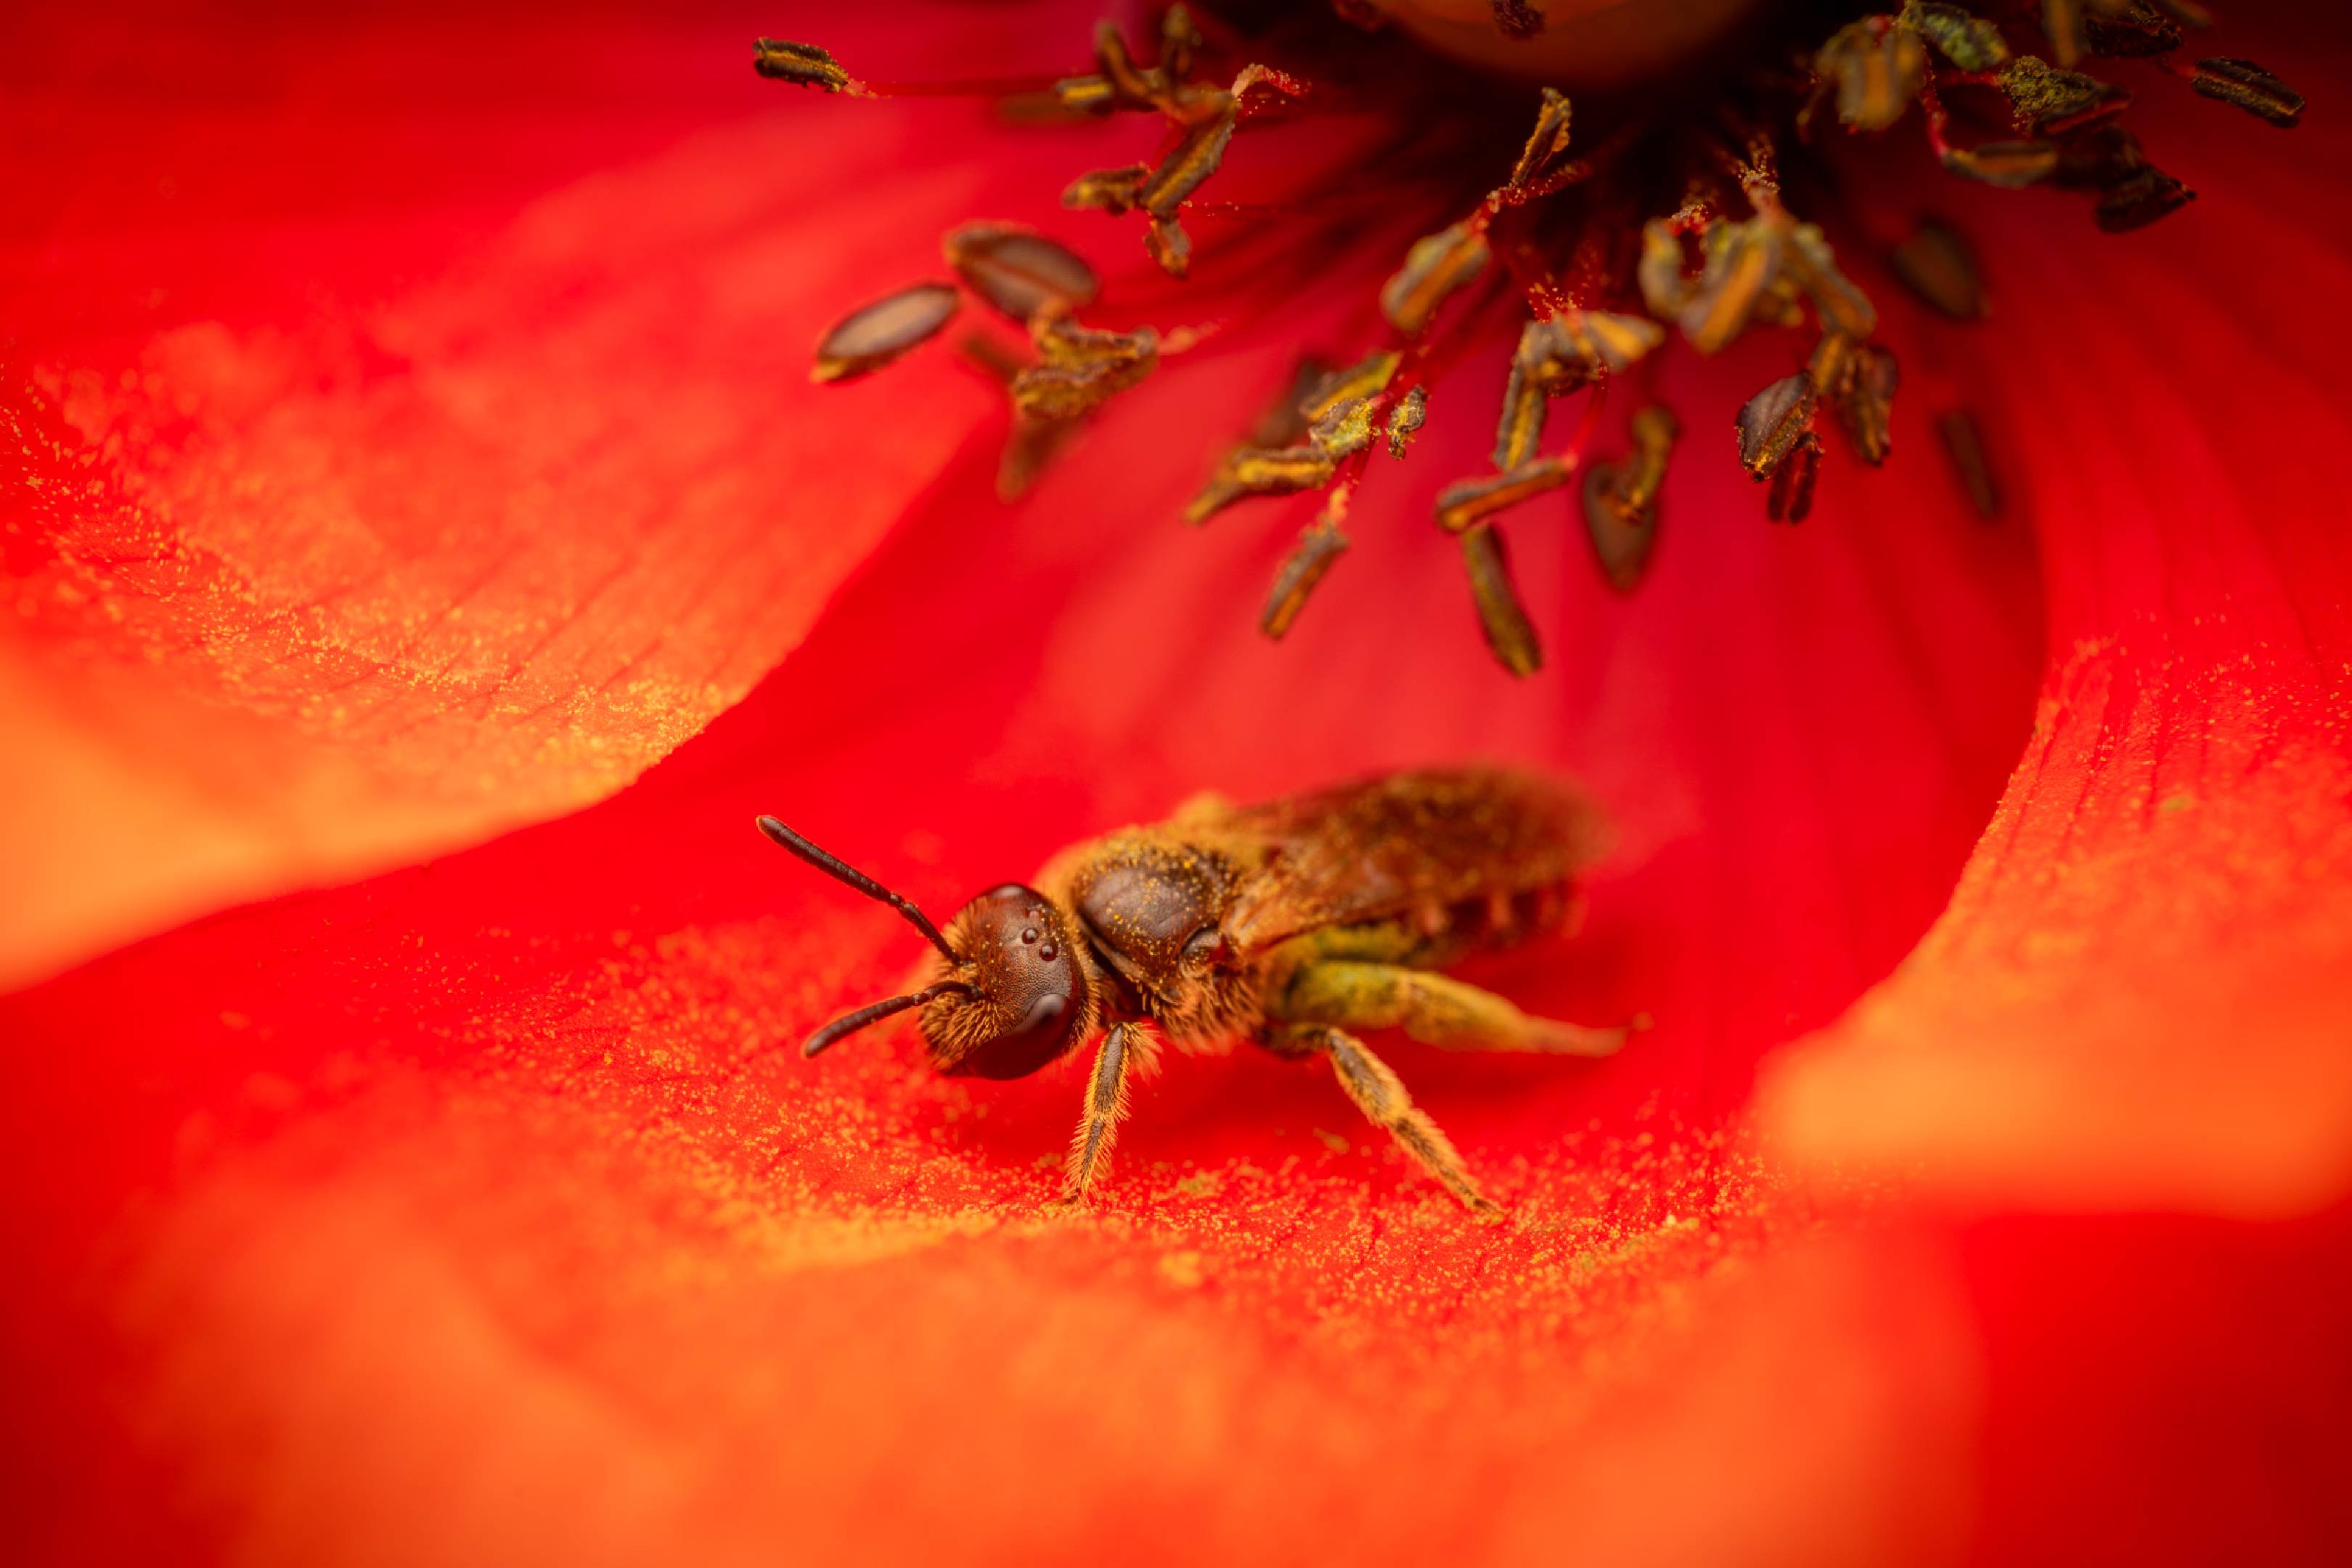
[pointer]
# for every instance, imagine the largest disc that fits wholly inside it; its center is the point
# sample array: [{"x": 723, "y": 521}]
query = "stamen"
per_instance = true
[
  {"x": 2051, "y": 102},
  {"x": 866, "y": 340},
  {"x": 1792, "y": 496},
  {"x": 1433, "y": 268},
  {"x": 1471, "y": 502},
  {"x": 1965, "y": 447},
  {"x": 1411, "y": 413},
  {"x": 2249, "y": 88},
  {"x": 2136, "y": 33},
  {"x": 1774, "y": 423},
  {"x": 803, "y": 65},
  {"x": 1020, "y": 271},
  {"x": 1969, "y": 41},
  {"x": 1877, "y": 64},
  {"x": 1730, "y": 257},
  {"x": 1501, "y": 616},
  {"x": 1318, "y": 549},
  {"x": 1936, "y": 265},
  {"x": 1620, "y": 499}
]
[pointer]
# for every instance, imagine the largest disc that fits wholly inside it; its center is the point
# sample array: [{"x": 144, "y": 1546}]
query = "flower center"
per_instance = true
[
  {"x": 1568, "y": 43},
  {"x": 1472, "y": 208}
]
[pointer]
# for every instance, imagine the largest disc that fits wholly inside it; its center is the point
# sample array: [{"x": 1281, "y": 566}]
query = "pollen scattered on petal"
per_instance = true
[{"x": 868, "y": 339}]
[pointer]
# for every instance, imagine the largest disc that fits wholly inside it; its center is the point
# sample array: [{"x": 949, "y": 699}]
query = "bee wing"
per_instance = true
[{"x": 1401, "y": 845}]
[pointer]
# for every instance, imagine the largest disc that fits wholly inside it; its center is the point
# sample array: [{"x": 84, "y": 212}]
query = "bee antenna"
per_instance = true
[
  {"x": 850, "y": 1023},
  {"x": 841, "y": 871}
]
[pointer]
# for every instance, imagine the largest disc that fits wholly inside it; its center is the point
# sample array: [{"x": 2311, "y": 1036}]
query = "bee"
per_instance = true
[{"x": 1294, "y": 925}]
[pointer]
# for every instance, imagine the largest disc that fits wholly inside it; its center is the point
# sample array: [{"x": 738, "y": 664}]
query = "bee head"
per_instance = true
[
  {"x": 1026, "y": 996},
  {"x": 1015, "y": 992}
]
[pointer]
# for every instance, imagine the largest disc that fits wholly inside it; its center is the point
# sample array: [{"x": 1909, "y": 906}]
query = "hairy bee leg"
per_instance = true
[
  {"x": 1435, "y": 1009},
  {"x": 1381, "y": 1095},
  {"x": 1105, "y": 1106}
]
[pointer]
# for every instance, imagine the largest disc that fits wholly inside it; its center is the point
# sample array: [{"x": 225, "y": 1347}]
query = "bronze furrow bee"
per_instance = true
[{"x": 1291, "y": 924}]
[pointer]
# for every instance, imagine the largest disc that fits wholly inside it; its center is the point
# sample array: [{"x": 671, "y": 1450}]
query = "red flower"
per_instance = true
[{"x": 416, "y": 447}]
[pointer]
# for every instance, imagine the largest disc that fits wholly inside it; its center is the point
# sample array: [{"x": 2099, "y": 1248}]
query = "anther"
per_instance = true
[
  {"x": 1969, "y": 41},
  {"x": 2249, "y": 88},
  {"x": 1965, "y": 447},
  {"x": 1019, "y": 271},
  {"x": 868, "y": 339},
  {"x": 803, "y": 65},
  {"x": 1318, "y": 549},
  {"x": 1502, "y": 619},
  {"x": 1433, "y": 268},
  {"x": 1467, "y": 504},
  {"x": 1774, "y": 423},
  {"x": 1936, "y": 264}
]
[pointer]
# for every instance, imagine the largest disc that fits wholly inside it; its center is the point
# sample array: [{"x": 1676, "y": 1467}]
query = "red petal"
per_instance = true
[
  {"x": 2138, "y": 995},
  {"x": 417, "y": 434}
]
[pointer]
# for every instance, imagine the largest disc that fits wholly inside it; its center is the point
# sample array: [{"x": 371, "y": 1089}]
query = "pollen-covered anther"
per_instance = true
[
  {"x": 1020, "y": 271},
  {"x": 1876, "y": 66},
  {"x": 2138, "y": 32},
  {"x": 2006, "y": 165},
  {"x": 1774, "y": 423},
  {"x": 803, "y": 65},
  {"x": 2249, "y": 88},
  {"x": 1081, "y": 369},
  {"x": 1501, "y": 616},
  {"x": 1405, "y": 420},
  {"x": 1621, "y": 499},
  {"x": 1433, "y": 268},
  {"x": 1318, "y": 549},
  {"x": 870, "y": 338},
  {"x": 1858, "y": 380},
  {"x": 1961, "y": 37},
  {"x": 2047, "y": 101},
  {"x": 2132, "y": 192},
  {"x": 1544, "y": 165},
  {"x": 1113, "y": 191},
  {"x": 1469, "y": 503}
]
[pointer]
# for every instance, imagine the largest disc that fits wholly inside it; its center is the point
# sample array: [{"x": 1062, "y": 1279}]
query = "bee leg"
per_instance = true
[
  {"x": 1381, "y": 1096},
  {"x": 1126, "y": 1047},
  {"x": 1435, "y": 1009}
]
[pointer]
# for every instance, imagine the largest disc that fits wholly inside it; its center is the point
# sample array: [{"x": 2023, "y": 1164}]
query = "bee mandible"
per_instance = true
[{"x": 1293, "y": 924}]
